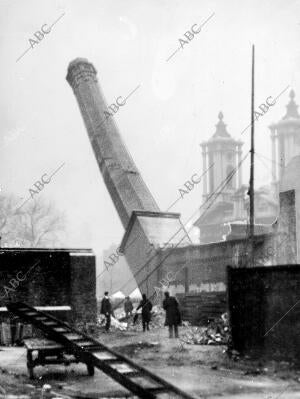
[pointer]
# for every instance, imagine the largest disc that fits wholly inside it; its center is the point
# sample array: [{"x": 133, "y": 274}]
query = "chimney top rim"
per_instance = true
[
  {"x": 78, "y": 60},
  {"x": 74, "y": 67}
]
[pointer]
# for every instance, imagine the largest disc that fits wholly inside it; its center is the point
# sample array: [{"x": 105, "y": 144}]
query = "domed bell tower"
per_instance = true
[
  {"x": 222, "y": 154},
  {"x": 285, "y": 136}
]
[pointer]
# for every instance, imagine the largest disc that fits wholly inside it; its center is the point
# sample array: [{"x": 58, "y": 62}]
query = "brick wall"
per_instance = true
[
  {"x": 290, "y": 182},
  {"x": 48, "y": 283},
  {"x": 263, "y": 315},
  {"x": 201, "y": 278},
  {"x": 83, "y": 287},
  {"x": 287, "y": 253},
  {"x": 60, "y": 277},
  {"x": 198, "y": 309},
  {"x": 205, "y": 264}
]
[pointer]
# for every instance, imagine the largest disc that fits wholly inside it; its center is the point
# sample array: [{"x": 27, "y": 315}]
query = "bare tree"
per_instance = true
[
  {"x": 7, "y": 206},
  {"x": 37, "y": 224}
]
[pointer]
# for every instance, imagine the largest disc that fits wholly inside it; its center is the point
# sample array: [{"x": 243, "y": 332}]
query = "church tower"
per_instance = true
[
  {"x": 285, "y": 136},
  {"x": 222, "y": 154}
]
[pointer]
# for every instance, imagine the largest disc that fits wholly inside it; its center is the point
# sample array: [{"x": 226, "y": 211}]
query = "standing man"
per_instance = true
[
  {"x": 128, "y": 307},
  {"x": 146, "y": 306},
  {"x": 173, "y": 316},
  {"x": 106, "y": 309}
]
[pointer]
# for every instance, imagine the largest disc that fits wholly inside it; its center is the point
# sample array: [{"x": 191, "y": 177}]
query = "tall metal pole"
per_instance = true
[{"x": 251, "y": 188}]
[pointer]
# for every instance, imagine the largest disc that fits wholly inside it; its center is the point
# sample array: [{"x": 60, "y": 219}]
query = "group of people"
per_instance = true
[{"x": 170, "y": 305}]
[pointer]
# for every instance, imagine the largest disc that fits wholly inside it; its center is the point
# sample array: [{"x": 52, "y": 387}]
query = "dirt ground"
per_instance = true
[{"x": 203, "y": 371}]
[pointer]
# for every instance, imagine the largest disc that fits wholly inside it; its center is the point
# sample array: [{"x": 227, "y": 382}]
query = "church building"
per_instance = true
[{"x": 224, "y": 212}]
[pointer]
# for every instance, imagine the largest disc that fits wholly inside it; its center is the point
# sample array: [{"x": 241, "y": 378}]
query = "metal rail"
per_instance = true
[{"x": 133, "y": 377}]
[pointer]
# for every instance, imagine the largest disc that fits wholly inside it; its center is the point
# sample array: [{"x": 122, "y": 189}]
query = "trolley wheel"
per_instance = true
[
  {"x": 90, "y": 369},
  {"x": 30, "y": 372},
  {"x": 30, "y": 364}
]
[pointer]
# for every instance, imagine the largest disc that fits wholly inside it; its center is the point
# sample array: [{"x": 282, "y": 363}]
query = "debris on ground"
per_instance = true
[
  {"x": 135, "y": 321},
  {"x": 216, "y": 333},
  {"x": 233, "y": 354},
  {"x": 133, "y": 349},
  {"x": 255, "y": 371},
  {"x": 115, "y": 324},
  {"x": 118, "y": 324}
]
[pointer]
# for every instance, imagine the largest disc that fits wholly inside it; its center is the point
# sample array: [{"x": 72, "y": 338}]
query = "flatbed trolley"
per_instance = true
[{"x": 43, "y": 351}]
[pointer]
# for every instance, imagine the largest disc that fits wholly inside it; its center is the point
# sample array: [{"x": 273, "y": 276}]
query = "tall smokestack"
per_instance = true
[
  {"x": 146, "y": 227},
  {"x": 121, "y": 176}
]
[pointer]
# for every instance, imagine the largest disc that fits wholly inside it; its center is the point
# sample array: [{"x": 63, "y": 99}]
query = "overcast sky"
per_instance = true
[{"x": 164, "y": 121}]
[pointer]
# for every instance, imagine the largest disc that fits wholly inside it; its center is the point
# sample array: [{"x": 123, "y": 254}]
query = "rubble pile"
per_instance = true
[
  {"x": 118, "y": 324},
  {"x": 119, "y": 314},
  {"x": 216, "y": 333},
  {"x": 157, "y": 319},
  {"x": 115, "y": 323}
]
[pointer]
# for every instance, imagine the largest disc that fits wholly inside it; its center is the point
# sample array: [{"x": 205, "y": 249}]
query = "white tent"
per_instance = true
[
  {"x": 136, "y": 294},
  {"x": 118, "y": 295}
]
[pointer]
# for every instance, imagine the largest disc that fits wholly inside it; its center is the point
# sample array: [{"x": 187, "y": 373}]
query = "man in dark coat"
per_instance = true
[
  {"x": 128, "y": 307},
  {"x": 106, "y": 309},
  {"x": 173, "y": 316},
  {"x": 146, "y": 306}
]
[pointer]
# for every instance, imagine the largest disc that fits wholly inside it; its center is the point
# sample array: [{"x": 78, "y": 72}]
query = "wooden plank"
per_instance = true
[
  {"x": 38, "y": 343},
  {"x": 5, "y": 334}
]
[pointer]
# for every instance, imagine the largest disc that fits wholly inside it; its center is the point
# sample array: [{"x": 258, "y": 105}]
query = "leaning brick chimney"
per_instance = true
[
  {"x": 146, "y": 227},
  {"x": 122, "y": 178}
]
